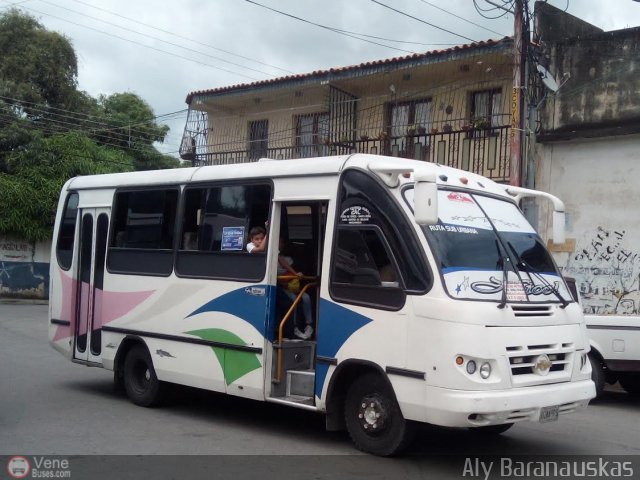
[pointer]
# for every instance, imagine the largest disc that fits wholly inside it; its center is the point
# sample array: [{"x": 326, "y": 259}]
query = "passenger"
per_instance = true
[
  {"x": 291, "y": 289},
  {"x": 257, "y": 240}
]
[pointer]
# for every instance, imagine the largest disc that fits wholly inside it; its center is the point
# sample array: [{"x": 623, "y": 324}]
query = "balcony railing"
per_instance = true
[{"x": 483, "y": 151}]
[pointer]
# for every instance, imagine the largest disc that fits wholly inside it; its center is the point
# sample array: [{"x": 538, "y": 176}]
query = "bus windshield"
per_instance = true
[{"x": 486, "y": 250}]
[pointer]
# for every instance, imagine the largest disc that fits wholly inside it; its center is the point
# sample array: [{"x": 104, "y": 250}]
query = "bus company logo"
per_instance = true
[
  {"x": 18, "y": 467},
  {"x": 459, "y": 197}
]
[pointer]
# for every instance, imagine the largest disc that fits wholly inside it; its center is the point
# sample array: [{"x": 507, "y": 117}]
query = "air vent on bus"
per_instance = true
[{"x": 532, "y": 310}]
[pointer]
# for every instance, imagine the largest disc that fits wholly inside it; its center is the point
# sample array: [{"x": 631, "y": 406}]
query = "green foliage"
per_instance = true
[
  {"x": 50, "y": 131},
  {"x": 30, "y": 188}
]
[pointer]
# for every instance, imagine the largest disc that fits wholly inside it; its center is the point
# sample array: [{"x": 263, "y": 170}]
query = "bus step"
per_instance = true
[
  {"x": 300, "y": 382},
  {"x": 301, "y": 399}
]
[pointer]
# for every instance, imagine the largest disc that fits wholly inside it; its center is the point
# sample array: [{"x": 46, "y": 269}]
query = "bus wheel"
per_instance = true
[
  {"x": 597, "y": 374},
  {"x": 140, "y": 381},
  {"x": 631, "y": 383},
  {"x": 373, "y": 417},
  {"x": 492, "y": 429}
]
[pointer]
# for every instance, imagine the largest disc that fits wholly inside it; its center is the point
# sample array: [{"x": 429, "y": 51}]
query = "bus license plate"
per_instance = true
[{"x": 549, "y": 414}]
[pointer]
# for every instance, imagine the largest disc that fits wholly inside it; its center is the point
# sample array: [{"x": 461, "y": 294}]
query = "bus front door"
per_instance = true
[{"x": 94, "y": 227}]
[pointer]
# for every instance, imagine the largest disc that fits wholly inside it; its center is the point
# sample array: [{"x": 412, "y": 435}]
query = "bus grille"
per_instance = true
[{"x": 522, "y": 359}]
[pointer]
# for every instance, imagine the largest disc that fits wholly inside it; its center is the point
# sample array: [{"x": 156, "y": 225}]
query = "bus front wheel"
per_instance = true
[
  {"x": 373, "y": 417},
  {"x": 140, "y": 380}
]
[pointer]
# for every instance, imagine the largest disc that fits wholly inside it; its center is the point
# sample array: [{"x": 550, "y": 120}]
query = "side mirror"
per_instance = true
[{"x": 425, "y": 200}]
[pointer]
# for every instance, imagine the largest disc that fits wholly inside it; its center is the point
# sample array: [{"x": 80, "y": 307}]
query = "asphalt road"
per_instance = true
[{"x": 51, "y": 406}]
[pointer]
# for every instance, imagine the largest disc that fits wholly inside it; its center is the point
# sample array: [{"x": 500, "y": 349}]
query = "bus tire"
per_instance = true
[
  {"x": 597, "y": 374},
  {"x": 373, "y": 417},
  {"x": 140, "y": 380},
  {"x": 491, "y": 430},
  {"x": 630, "y": 382}
]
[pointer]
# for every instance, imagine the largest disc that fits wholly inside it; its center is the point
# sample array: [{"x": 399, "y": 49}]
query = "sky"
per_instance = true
[{"x": 163, "y": 50}]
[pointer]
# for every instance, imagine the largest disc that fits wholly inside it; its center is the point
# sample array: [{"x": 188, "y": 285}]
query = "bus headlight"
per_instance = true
[{"x": 485, "y": 370}]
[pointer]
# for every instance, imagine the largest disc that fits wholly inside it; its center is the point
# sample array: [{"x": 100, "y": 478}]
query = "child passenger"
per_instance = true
[{"x": 285, "y": 266}]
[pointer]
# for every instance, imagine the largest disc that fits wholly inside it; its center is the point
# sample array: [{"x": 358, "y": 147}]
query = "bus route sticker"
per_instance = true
[
  {"x": 515, "y": 292},
  {"x": 356, "y": 215},
  {"x": 232, "y": 238}
]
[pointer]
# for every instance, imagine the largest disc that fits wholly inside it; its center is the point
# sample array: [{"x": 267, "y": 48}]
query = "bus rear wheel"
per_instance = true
[
  {"x": 140, "y": 381},
  {"x": 373, "y": 417}
]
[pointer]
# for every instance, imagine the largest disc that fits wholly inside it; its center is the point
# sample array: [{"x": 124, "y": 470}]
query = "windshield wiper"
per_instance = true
[
  {"x": 503, "y": 259},
  {"x": 529, "y": 271}
]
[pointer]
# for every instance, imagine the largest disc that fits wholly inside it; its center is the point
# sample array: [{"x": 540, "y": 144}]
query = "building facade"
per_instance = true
[{"x": 450, "y": 107}]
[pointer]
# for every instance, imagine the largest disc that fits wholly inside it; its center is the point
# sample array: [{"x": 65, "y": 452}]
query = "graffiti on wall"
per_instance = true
[
  {"x": 20, "y": 275},
  {"x": 607, "y": 273},
  {"x": 16, "y": 251}
]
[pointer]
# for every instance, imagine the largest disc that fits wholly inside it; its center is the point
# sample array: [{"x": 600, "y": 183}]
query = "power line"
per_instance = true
[
  {"x": 331, "y": 29},
  {"x": 421, "y": 21},
  {"x": 78, "y": 116},
  {"x": 140, "y": 44},
  {"x": 158, "y": 39},
  {"x": 463, "y": 19},
  {"x": 181, "y": 36}
]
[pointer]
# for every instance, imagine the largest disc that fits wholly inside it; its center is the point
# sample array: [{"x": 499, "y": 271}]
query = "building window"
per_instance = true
[
  {"x": 408, "y": 123},
  {"x": 312, "y": 135},
  {"x": 215, "y": 231},
  {"x": 143, "y": 230},
  {"x": 258, "y": 139},
  {"x": 486, "y": 108}
]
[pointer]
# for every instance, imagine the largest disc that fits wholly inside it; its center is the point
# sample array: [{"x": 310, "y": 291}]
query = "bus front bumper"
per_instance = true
[{"x": 461, "y": 408}]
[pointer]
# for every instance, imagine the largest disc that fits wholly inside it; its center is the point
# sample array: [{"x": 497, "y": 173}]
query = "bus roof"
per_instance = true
[{"x": 319, "y": 166}]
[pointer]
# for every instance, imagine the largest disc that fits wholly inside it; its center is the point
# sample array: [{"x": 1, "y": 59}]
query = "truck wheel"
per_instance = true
[
  {"x": 140, "y": 380},
  {"x": 597, "y": 374},
  {"x": 373, "y": 417},
  {"x": 491, "y": 430},
  {"x": 631, "y": 383}
]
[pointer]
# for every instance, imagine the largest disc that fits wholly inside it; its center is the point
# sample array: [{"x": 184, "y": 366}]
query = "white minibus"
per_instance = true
[{"x": 433, "y": 299}]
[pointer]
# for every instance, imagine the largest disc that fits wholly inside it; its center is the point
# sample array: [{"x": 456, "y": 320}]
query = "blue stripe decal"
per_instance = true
[
  {"x": 249, "y": 303},
  {"x": 336, "y": 325}
]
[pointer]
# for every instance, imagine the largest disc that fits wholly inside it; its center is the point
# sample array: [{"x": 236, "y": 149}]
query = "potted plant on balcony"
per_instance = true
[
  {"x": 481, "y": 123},
  {"x": 446, "y": 128},
  {"x": 422, "y": 129},
  {"x": 411, "y": 130}
]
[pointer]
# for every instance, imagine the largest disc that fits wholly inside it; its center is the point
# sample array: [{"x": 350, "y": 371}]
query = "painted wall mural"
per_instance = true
[
  {"x": 20, "y": 274},
  {"x": 606, "y": 267}
]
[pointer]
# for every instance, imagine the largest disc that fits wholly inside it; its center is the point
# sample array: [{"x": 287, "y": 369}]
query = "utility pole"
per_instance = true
[{"x": 520, "y": 41}]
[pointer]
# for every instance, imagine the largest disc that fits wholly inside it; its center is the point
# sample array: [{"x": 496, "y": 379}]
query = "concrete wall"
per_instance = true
[
  {"x": 599, "y": 181},
  {"x": 24, "y": 268}
]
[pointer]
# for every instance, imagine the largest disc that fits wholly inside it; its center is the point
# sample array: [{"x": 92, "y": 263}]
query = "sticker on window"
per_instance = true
[
  {"x": 356, "y": 215},
  {"x": 232, "y": 238}
]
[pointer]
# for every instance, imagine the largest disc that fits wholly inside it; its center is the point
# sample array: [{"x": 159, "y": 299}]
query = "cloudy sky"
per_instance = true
[{"x": 163, "y": 50}]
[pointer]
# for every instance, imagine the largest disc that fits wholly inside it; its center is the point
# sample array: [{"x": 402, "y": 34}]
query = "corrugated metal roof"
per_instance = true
[{"x": 416, "y": 57}]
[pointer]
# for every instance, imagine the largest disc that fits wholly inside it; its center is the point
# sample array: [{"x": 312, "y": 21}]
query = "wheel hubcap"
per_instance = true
[{"x": 373, "y": 415}]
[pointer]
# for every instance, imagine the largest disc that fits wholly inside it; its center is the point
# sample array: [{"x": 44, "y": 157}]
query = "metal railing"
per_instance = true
[{"x": 479, "y": 150}]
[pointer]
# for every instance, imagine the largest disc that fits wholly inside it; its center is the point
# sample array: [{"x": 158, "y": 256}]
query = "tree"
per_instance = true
[
  {"x": 50, "y": 131},
  {"x": 30, "y": 187}
]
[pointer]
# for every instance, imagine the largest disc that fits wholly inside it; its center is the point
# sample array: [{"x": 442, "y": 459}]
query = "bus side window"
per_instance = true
[
  {"x": 67, "y": 233},
  {"x": 215, "y": 224}
]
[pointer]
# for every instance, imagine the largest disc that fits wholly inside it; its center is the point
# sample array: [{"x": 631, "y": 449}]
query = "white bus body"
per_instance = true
[
  {"x": 615, "y": 351},
  {"x": 464, "y": 322}
]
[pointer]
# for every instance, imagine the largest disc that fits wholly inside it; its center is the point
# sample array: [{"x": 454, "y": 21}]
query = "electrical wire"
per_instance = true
[
  {"x": 182, "y": 37},
  {"x": 157, "y": 39},
  {"x": 461, "y": 18},
  {"x": 182, "y": 57},
  {"x": 331, "y": 29},
  {"x": 421, "y": 21}
]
